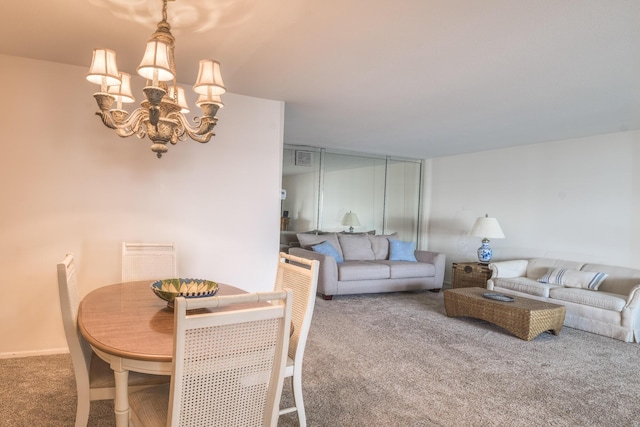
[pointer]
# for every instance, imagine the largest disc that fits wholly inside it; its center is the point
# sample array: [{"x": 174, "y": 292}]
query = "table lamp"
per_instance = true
[
  {"x": 351, "y": 220},
  {"x": 486, "y": 228}
]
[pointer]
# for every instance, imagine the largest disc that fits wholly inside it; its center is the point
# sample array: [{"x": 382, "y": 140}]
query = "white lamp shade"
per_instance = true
[
  {"x": 486, "y": 227},
  {"x": 103, "y": 68},
  {"x": 122, "y": 92},
  {"x": 209, "y": 99},
  {"x": 209, "y": 79},
  {"x": 181, "y": 98},
  {"x": 351, "y": 220},
  {"x": 155, "y": 62}
]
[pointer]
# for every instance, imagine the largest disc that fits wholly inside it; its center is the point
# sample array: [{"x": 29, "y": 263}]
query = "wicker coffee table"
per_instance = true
[{"x": 525, "y": 318}]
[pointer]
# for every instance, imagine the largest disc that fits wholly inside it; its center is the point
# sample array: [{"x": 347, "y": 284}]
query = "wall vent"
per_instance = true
[{"x": 303, "y": 158}]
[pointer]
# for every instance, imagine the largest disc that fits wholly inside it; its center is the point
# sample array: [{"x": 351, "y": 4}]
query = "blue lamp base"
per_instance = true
[{"x": 485, "y": 252}]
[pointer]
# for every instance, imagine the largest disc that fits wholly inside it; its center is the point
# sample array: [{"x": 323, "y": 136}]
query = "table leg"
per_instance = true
[{"x": 121, "y": 401}]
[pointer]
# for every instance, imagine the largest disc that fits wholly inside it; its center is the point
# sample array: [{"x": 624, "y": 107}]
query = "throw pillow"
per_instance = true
[
  {"x": 327, "y": 248},
  {"x": 574, "y": 278},
  {"x": 356, "y": 247},
  {"x": 401, "y": 251},
  {"x": 308, "y": 240}
]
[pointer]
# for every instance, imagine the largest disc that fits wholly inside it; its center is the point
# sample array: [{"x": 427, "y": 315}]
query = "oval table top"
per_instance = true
[{"x": 128, "y": 320}]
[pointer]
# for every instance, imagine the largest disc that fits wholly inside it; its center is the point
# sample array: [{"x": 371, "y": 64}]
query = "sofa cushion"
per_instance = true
[
  {"x": 362, "y": 270},
  {"x": 524, "y": 285},
  {"x": 407, "y": 270},
  {"x": 597, "y": 299},
  {"x": 327, "y": 248},
  {"x": 356, "y": 247},
  {"x": 537, "y": 267},
  {"x": 401, "y": 251},
  {"x": 380, "y": 245},
  {"x": 620, "y": 281},
  {"x": 308, "y": 240},
  {"x": 573, "y": 278}
]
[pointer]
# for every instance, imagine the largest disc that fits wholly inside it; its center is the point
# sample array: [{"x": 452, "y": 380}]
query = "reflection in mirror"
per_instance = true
[{"x": 323, "y": 185}]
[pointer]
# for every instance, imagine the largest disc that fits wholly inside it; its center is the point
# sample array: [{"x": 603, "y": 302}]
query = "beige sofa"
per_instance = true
[
  {"x": 611, "y": 309},
  {"x": 367, "y": 267}
]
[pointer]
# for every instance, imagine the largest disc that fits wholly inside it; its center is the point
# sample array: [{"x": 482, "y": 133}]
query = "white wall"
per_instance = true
[
  {"x": 69, "y": 184},
  {"x": 574, "y": 199}
]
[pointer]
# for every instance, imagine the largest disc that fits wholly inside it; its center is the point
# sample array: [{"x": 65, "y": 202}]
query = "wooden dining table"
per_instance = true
[{"x": 131, "y": 328}]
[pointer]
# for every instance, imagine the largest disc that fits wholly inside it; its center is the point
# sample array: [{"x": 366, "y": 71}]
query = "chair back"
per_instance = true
[
  {"x": 148, "y": 261},
  {"x": 228, "y": 364},
  {"x": 301, "y": 276},
  {"x": 79, "y": 349}
]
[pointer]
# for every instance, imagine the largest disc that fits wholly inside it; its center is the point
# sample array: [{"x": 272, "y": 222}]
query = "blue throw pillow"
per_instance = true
[
  {"x": 327, "y": 248},
  {"x": 401, "y": 251}
]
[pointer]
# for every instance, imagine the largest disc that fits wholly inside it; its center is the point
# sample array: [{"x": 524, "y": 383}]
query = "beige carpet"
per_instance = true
[{"x": 397, "y": 360}]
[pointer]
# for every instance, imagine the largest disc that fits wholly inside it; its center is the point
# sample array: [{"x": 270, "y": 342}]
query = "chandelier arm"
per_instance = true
[
  {"x": 202, "y": 133},
  {"x": 107, "y": 119},
  {"x": 125, "y": 124}
]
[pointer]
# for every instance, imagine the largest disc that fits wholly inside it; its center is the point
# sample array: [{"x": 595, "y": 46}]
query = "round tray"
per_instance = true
[{"x": 498, "y": 297}]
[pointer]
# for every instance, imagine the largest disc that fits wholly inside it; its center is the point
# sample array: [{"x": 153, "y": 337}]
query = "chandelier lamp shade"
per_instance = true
[
  {"x": 161, "y": 115},
  {"x": 486, "y": 228}
]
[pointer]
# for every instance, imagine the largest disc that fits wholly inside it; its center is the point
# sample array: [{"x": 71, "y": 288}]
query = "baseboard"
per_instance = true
[{"x": 48, "y": 352}]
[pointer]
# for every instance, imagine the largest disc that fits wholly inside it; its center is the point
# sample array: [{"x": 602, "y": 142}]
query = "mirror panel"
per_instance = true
[{"x": 323, "y": 185}]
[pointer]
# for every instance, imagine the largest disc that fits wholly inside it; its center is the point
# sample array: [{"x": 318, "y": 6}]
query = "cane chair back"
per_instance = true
[
  {"x": 301, "y": 276},
  {"x": 148, "y": 261},
  {"x": 94, "y": 378},
  {"x": 227, "y": 364}
]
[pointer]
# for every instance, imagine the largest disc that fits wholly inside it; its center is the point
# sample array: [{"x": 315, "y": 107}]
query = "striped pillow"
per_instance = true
[{"x": 573, "y": 278}]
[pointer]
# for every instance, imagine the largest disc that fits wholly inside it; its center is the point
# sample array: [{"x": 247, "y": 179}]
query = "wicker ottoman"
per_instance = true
[{"x": 525, "y": 318}]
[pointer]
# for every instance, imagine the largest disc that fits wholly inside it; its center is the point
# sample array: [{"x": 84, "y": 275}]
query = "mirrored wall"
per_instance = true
[{"x": 322, "y": 186}]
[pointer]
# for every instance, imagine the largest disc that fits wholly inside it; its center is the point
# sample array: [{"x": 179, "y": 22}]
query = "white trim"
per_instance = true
[{"x": 47, "y": 352}]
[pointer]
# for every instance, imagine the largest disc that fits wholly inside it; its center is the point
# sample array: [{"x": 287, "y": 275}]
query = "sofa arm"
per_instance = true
[
  {"x": 631, "y": 310},
  {"x": 515, "y": 268},
  {"x": 327, "y": 273},
  {"x": 435, "y": 258}
]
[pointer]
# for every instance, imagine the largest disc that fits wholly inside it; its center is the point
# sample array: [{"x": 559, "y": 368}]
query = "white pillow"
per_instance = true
[{"x": 574, "y": 278}]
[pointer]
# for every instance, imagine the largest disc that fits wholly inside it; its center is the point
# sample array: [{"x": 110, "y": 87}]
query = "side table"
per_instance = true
[{"x": 470, "y": 274}]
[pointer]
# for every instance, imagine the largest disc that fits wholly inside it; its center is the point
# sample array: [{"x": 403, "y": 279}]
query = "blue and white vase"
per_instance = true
[{"x": 485, "y": 252}]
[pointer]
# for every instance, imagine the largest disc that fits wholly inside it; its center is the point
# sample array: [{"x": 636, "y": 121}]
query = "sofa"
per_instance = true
[
  {"x": 601, "y": 299},
  {"x": 288, "y": 239},
  {"x": 356, "y": 263}
]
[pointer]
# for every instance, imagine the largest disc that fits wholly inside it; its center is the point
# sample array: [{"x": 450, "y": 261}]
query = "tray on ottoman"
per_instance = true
[{"x": 525, "y": 318}]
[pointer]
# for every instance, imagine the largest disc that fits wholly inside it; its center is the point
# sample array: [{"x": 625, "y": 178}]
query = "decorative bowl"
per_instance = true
[{"x": 169, "y": 289}]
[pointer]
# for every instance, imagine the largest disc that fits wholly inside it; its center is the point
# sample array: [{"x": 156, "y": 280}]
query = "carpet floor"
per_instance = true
[{"x": 397, "y": 360}]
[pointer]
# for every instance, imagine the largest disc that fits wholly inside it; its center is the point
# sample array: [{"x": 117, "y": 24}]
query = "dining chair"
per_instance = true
[
  {"x": 227, "y": 364},
  {"x": 94, "y": 378},
  {"x": 148, "y": 261},
  {"x": 301, "y": 276}
]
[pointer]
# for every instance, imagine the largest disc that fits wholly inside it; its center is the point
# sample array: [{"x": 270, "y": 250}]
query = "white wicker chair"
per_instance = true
[
  {"x": 301, "y": 276},
  {"x": 227, "y": 364},
  {"x": 94, "y": 378},
  {"x": 148, "y": 261}
]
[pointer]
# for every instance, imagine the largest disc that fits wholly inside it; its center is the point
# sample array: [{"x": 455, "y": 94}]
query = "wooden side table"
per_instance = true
[{"x": 470, "y": 274}]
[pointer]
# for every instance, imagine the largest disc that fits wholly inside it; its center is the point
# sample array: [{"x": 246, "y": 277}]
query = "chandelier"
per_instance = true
[{"x": 161, "y": 115}]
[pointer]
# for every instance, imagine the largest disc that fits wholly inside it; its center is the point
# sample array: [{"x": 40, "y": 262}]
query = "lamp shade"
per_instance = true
[
  {"x": 213, "y": 99},
  {"x": 486, "y": 227},
  {"x": 209, "y": 79},
  {"x": 351, "y": 220},
  {"x": 155, "y": 62},
  {"x": 122, "y": 92},
  {"x": 103, "y": 68},
  {"x": 180, "y": 98}
]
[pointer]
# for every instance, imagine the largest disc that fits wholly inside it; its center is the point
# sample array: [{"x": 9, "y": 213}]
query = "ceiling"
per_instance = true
[{"x": 411, "y": 78}]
